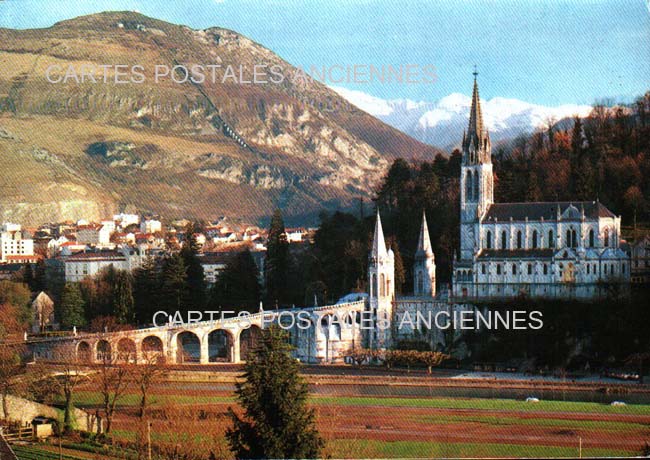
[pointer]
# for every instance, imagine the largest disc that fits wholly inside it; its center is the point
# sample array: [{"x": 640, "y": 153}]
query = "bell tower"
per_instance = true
[
  {"x": 381, "y": 282},
  {"x": 476, "y": 177}
]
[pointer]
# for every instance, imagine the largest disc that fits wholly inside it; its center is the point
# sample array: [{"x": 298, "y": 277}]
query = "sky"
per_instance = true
[{"x": 548, "y": 52}]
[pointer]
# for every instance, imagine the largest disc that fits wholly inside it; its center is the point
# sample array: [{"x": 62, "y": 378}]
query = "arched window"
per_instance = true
[
  {"x": 514, "y": 269},
  {"x": 468, "y": 186},
  {"x": 567, "y": 243},
  {"x": 591, "y": 238},
  {"x": 498, "y": 269},
  {"x": 545, "y": 269},
  {"x": 534, "y": 239},
  {"x": 574, "y": 239},
  {"x": 530, "y": 269},
  {"x": 551, "y": 240},
  {"x": 488, "y": 240},
  {"x": 519, "y": 240},
  {"x": 606, "y": 237},
  {"x": 382, "y": 286},
  {"x": 483, "y": 269},
  {"x": 475, "y": 186},
  {"x": 503, "y": 240}
]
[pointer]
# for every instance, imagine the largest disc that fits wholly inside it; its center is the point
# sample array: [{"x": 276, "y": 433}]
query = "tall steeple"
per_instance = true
[
  {"x": 476, "y": 142},
  {"x": 424, "y": 266},
  {"x": 379, "y": 250},
  {"x": 424, "y": 242}
]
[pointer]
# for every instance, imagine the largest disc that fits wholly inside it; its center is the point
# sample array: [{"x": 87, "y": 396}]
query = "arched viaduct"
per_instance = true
[{"x": 319, "y": 335}]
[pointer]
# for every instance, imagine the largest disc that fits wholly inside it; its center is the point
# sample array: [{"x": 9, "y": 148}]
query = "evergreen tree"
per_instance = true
[
  {"x": 276, "y": 421},
  {"x": 173, "y": 288},
  {"x": 40, "y": 277},
  {"x": 146, "y": 291},
  {"x": 196, "y": 293},
  {"x": 28, "y": 276},
  {"x": 277, "y": 261},
  {"x": 72, "y": 307},
  {"x": 123, "y": 305},
  {"x": 237, "y": 288}
]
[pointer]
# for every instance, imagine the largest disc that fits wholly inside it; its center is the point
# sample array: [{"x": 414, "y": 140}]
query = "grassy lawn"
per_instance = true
[
  {"x": 486, "y": 404},
  {"x": 541, "y": 421},
  {"x": 359, "y": 448},
  {"x": 93, "y": 398}
]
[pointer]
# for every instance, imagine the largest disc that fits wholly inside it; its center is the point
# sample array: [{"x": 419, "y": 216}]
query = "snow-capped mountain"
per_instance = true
[{"x": 441, "y": 123}]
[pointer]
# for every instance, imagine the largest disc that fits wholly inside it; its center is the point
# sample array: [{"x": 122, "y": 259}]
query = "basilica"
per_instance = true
[{"x": 560, "y": 250}]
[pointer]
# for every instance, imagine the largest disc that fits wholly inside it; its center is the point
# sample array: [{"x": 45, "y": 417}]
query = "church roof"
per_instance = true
[{"x": 546, "y": 210}]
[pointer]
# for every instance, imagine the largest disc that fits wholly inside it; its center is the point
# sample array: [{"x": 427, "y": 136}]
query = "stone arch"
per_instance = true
[
  {"x": 220, "y": 343},
  {"x": 103, "y": 351},
  {"x": 188, "y": 347},
  {"x": 84, "y": 353},
  {"x": 152, "y": 348},
  {"x": 248, "y": 340},
  {"x": 126, "y": 350}
]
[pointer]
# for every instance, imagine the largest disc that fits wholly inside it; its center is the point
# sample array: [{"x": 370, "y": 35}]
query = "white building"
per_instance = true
[
  {"x": 560, "y": 250},
  {"x": 83, "y": 264},
  {"x": 94, "y": 234},
  {"x": 124, "y": 220},
  {"x": 13, "y": 247},
  {"x": 150, "y": 226}
]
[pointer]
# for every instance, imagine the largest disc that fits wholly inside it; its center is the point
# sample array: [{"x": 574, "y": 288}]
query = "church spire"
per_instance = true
[
  {"x": 378, "y": 243},
  {"x": 424, "y": 242},
  {"x": 476, "y": 143},
  {"x": 475, "y": 115}
]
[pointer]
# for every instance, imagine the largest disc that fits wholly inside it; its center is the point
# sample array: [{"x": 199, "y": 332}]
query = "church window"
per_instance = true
[
  {"x": 514, "y": 269},
  {"x": 483, "y": 270},
  {"x": 476, "y": 185},
  {"x": 534, "y": 239},
  {"x": 588, "y": 267},
  {"x": 591, "y": 238},
  {"x": 574, "y": 239},
  {"x": 382, "y": 286},
  {"x": 623, "y": 268},
  {"x": 605, "y": 269},
  {"x": 551, "y": 240},
  {"x": 503, "y": 240},
  {"x": 388, "y": 286},
  {"x": 498, "y": 269},
  {"x": 606, "y": 237},
  {"x": 530, "y": 269},
  {"x": 545, "y": 269},
  {"x": 488, "y": 238},
  {"x": 519, "y": 240},
  {"x": 468, "y": 185},
  {"x": 568, "y": 239}
]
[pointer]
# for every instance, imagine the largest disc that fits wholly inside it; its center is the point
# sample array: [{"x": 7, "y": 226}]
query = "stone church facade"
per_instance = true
[{"x": 568, "y": 249}]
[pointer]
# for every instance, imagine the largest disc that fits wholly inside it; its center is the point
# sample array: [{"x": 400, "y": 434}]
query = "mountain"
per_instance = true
[
  {"x": 87, "y": 129},
  {"x": 441, "y": 123}
]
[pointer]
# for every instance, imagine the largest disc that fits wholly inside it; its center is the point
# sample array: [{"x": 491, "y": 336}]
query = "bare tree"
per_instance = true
[
  {"x": 150, "y": 371},
  {"x": 66, "y": 380},
  {"x": 114, "y": 379}
]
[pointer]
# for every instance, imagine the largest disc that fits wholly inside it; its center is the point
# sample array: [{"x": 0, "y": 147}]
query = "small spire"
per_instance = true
[
  {"x": 378, "y": 242},
  {"x": 424, "y": 242}
]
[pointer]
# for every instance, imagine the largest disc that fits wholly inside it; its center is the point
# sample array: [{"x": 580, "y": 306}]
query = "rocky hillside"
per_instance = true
[{"x": 116, "y": 138}]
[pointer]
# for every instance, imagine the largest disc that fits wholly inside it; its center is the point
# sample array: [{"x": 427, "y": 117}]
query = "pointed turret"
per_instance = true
[
  {"x": 424, "y": 242},
  {"x": 379, "y": 250},
  {"x": 424, "y": 267}
]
